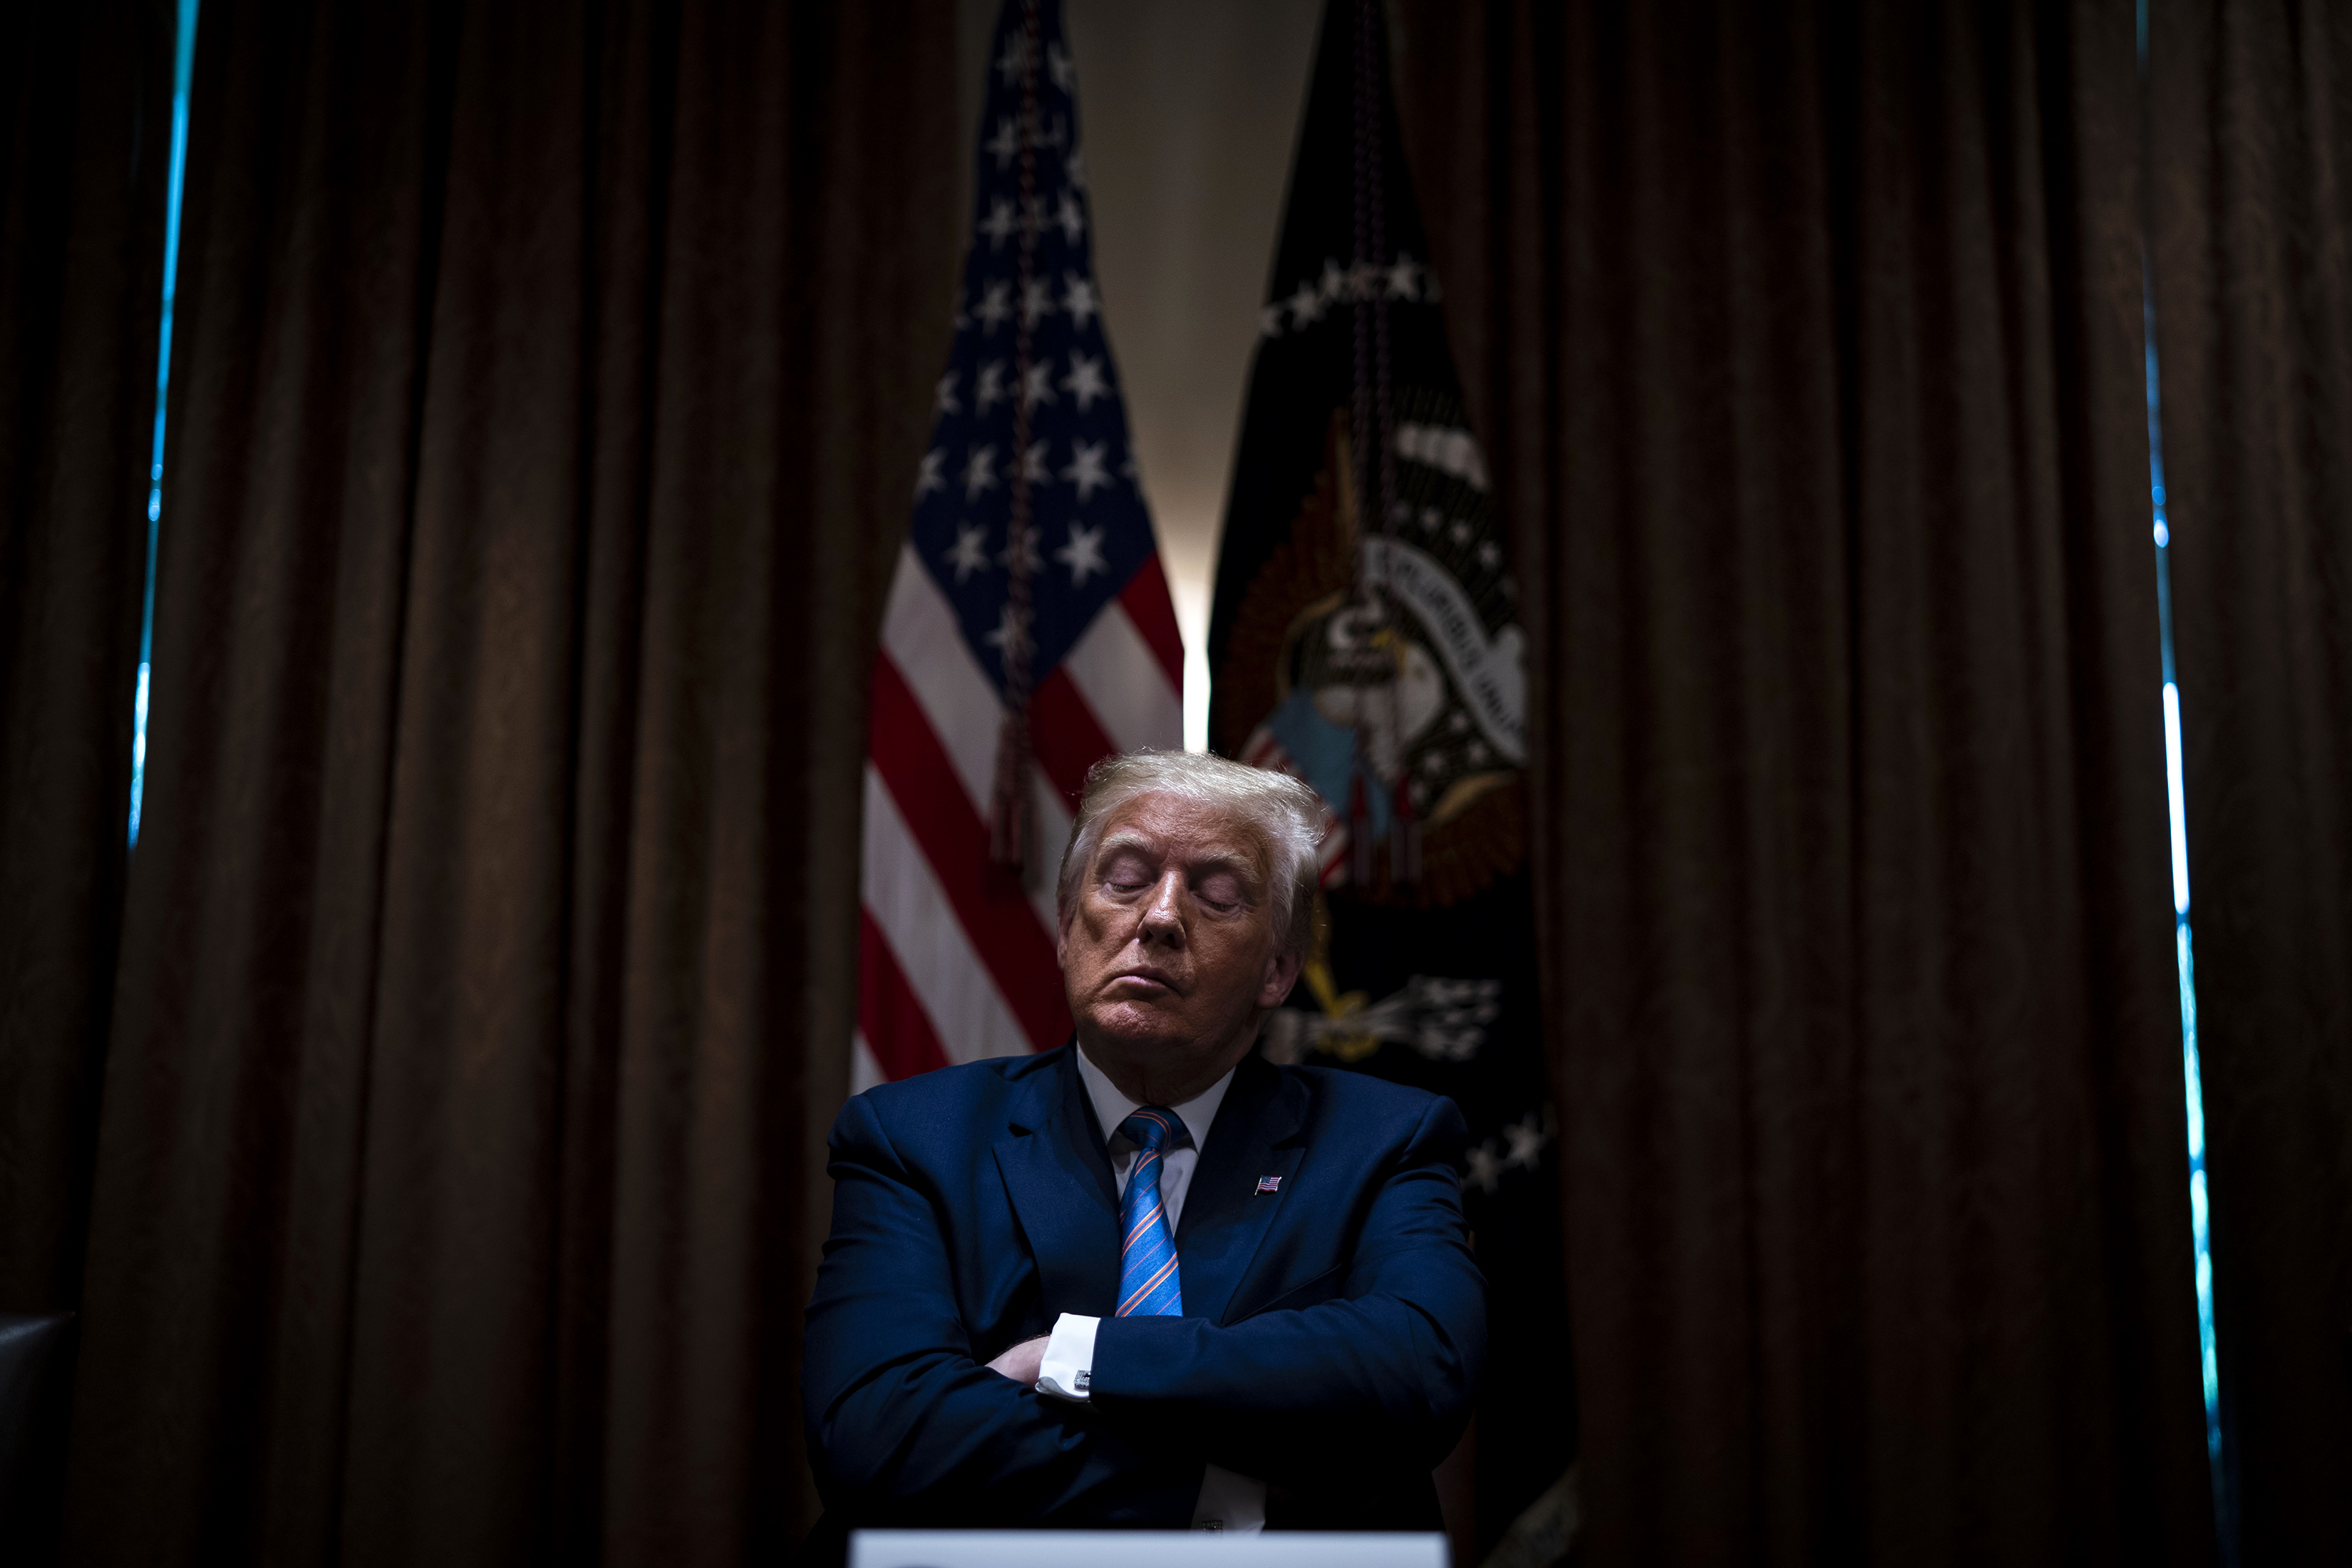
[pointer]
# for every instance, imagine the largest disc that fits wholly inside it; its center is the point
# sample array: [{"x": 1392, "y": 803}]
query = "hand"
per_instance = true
[{"x": 1022, "y": 1361}]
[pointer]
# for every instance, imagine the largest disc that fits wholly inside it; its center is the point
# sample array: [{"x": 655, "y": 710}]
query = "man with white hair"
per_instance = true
[{"x": 1149, "y": 1279}]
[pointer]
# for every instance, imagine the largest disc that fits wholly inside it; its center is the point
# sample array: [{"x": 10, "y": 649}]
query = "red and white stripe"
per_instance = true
[{"x": 956, "y": 962}]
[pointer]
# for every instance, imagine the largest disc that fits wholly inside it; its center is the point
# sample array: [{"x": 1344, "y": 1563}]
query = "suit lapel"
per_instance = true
[
  {"x": 1226, "y": 1216},
  {"x": 1057, "y": 1174}
]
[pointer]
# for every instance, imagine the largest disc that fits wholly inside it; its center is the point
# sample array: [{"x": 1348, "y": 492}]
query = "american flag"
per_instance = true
[{"x": 956, "y": 951}]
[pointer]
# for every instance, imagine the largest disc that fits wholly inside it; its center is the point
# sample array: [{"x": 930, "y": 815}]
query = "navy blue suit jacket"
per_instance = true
[{"x": 1332, "y": 1335}]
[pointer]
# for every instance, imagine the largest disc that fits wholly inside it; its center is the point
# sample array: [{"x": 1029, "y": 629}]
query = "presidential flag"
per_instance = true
[
  {"x": 1366, "y": 637},
  {"x": 1028, "y": 631}
]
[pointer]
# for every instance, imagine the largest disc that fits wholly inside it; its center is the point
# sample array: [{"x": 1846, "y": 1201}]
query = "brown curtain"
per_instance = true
[
  {"x": 85, "y": 104},
  {"x": 1808, "y": 349},
  {"x": 550, "y": 378},
  {"x": 2251, "y": 115}
]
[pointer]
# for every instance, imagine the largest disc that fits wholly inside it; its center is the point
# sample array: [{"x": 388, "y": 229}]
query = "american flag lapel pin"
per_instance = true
[{"x": 1269, "y": 1184}]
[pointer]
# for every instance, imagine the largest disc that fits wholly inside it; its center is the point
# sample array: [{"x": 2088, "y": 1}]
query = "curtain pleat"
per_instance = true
[
  {"x": 2251, "y": 125},
  {"x": 550, "y": 378},
  {"x": 1807, "y": 346},
  {"x": 85, "y": 104}
]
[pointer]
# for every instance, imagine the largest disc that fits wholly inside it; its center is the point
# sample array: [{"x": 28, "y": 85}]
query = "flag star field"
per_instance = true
[{"x": 1091, "y": 528}]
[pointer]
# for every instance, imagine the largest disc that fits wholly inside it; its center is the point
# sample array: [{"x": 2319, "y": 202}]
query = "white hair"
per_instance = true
[{"x": 1283, "y": 812}]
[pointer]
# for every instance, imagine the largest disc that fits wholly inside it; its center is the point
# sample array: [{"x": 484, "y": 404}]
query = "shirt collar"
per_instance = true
[{"x": 1111, "y": 1107}]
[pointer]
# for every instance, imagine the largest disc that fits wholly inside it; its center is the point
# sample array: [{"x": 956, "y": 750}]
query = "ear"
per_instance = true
[{"x": 1281, "y": 974}]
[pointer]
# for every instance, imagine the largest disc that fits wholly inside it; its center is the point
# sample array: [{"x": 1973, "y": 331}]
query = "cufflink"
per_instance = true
[{"x": 1086, "y": 1380}]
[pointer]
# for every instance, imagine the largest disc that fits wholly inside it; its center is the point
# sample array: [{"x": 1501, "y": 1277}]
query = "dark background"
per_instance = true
[{"x": 426, "y": 1121}]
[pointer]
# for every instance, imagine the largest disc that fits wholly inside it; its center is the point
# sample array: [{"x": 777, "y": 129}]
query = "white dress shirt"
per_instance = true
[{"x": 1234, "y": 1504}]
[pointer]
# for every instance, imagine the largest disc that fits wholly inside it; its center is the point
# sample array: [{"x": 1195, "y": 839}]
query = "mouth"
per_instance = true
[{"x": 1145, "y": 978}]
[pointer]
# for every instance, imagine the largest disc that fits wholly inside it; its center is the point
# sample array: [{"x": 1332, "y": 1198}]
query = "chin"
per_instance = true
[{"x": 1133, "y": 1023}]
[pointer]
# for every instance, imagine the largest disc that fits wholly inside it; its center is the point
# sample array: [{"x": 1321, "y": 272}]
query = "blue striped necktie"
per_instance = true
[{"x": 1147, "y": 1285}]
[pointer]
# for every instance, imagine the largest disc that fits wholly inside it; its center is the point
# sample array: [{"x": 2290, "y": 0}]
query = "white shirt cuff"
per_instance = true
[
  {"x": 1231, "y": 1503},
  {"x": 1069, "y": 1366}
]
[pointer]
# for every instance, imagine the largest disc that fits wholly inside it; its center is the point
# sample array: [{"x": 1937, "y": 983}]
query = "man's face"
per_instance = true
[{"x": 1168, "y": 951}]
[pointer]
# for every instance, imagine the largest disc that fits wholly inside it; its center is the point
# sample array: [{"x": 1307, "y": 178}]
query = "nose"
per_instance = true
[{"x": 1163, "y": 912}]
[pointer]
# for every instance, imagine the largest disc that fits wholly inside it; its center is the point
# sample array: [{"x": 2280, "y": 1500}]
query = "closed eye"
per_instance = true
[
  {"x": 1222, "y": 891},
  {"x": 1126, "y": 873}
]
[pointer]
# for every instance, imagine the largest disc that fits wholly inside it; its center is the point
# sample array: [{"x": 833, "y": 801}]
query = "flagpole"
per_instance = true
[
  {"x": 1009, "y": 828},
  {"x": 1373, "y": 433}
]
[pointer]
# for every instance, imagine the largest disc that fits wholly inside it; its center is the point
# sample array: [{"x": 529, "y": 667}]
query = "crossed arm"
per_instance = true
[{"x": 1375, "y": 1365}]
